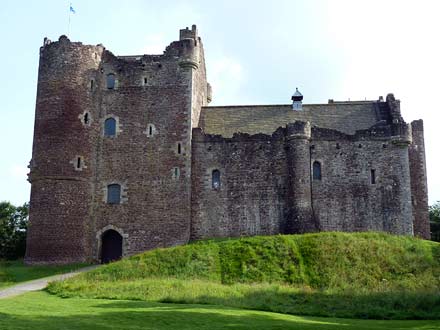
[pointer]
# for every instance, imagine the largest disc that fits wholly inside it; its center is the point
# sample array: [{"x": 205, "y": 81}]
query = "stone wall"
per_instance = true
[
  {"x": 419, "y": 187},
  {"x": 61, "y": 191},
  {"x": 251, "y": 198},
  {"x": 267, "y": 184},
  {"x": 155, "y": 170},
  {"x": 365, "y": 184}
]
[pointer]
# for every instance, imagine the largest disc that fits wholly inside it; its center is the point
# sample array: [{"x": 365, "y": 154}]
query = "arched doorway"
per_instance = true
[{"x": 111, "y": 246}]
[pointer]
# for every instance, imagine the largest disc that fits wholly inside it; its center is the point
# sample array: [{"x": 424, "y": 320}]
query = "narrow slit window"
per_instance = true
[
  {"x": 176, "y": 173},
  {"x": 215, "y": 179},
  {"x": 145, "y": 81},
  {"x": 317, "y": 171},
  {"x": 86, "y": 118},
  {"x": 179, "y": 148},
  {"x": 150, "y": 130},
  {"x": 110, "y": 127},
  {"x": 113, "y": 194},
  {"x": 92, "y": 84},
  {"x": 78, "y": 162},
  {"x": 373, "y": 176},
  {"x": 111, "y": 81}
]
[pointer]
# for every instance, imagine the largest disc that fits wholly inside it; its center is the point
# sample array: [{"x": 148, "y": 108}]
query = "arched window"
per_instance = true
[
  {"x": 111, "y": 81},
  {"x": 113, "y": 194},
  {"x": 316, "y": 170},
  {"x": 215, "y": 179},
  {"x": 110, "y": 127}
]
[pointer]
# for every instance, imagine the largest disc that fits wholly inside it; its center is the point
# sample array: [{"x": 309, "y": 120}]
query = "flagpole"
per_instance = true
[{"x": 68, "y": 27}]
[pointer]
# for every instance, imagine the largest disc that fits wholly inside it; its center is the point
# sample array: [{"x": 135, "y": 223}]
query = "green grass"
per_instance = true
[
  {"x": 14, "y": 272},
  {"x": 40, "y": 310},
  {"x": 360, "y": 275}
]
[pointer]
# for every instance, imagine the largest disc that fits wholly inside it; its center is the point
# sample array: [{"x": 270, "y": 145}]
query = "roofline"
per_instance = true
[{"x": 289, "y": 105}]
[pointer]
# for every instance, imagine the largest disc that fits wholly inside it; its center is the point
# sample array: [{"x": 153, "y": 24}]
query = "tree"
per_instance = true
[
  {"x": 434, "y": 220},
  {"x": 13, "y": 226}
]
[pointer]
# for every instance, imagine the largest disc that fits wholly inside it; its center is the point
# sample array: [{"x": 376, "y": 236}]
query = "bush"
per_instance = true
[
  {"x": 434, "y": 220},
  {"x": 13, "y": 226}
]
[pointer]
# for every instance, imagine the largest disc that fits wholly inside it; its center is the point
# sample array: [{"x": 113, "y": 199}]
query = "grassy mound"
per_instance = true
[{"x": 367, "y": 275}]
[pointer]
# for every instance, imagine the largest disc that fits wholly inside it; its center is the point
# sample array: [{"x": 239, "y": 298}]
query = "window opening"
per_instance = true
[
  {"x": 176, "y": 172},
  {"x": 110, "y": 127},
  {"x": 179, "y": 148},
  {"x": 86, "y": 118},
  {"x": 373, "y": 176},
  {"x": 150, "y": 131},
  {"x": 317, "y": 171},
  {"x": 215, "y": 179},
  {"x": 92, "y": 83},
  {"x": 111, "y": 81},
  {"x": 78, "y": 162},
  {"x": 113, "y": 194}
]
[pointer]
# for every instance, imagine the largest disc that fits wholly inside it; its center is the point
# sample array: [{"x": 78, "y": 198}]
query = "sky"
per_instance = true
[{"x": 257, "y": 52}]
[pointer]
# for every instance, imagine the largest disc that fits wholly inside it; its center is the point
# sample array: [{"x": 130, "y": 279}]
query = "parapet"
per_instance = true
[
  {"x": 189, "y": 34},
  {"x": 299, "y": 130}
]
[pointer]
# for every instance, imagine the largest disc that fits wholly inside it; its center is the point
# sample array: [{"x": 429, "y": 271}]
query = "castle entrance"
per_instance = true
[{"x": 111, "y": 246}]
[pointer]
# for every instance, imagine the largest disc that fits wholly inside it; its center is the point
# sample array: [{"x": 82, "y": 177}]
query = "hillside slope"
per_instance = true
[{"x": 336, "y": 274}]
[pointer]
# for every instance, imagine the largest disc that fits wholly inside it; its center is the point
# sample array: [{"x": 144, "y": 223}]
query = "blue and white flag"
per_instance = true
[{"x": 72, "y": 10}]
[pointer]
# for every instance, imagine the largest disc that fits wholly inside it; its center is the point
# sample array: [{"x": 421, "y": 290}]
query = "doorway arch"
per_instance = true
[{"x": 111, "y": 246}]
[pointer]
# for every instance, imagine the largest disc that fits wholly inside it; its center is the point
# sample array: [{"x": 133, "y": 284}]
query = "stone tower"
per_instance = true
[{"x": 109, "y": 125}]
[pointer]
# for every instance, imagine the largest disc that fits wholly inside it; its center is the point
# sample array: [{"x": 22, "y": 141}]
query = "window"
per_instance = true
[
  {"x": 176, "y": 173},
  {"x": 113, "y": 194},
  {"x": 145, "y": 81},
  {"x": 179, "y": 148},
  {"x": 111, "y": 81},
  {"x": 86, "y": 118},
  {"x": 79, "y": 163},
  {"x": 373, "y": 177},
  {"x": 316, "y": 170},
  {"x": 92, "y": 84},
  {"x": 215, "y": 179},
  {"x": 110, "y": 127},
  {"x": 151, "y": 130}
]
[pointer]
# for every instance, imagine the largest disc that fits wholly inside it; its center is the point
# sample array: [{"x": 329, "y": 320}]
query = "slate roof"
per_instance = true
[{"x": 346, "y": 117}]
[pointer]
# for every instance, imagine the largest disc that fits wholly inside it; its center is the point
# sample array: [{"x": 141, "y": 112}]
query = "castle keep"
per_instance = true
[{"x": 128, "y": 156}]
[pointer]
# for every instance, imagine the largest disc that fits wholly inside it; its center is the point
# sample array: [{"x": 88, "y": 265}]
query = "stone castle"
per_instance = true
[{"x": 128, "y": 156}]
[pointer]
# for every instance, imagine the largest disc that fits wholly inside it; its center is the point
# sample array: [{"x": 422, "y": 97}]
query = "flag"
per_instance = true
[{"x": 72, "y": 10}]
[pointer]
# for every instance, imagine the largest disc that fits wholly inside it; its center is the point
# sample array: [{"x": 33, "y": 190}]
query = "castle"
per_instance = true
[{"x": 128, "y": 156}]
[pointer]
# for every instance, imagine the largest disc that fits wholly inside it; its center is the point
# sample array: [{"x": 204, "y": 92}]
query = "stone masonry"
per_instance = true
[{"x": 184, "y": 170}]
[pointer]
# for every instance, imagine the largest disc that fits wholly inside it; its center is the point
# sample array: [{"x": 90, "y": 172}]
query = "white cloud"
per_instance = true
[
  {"x": 154, "y": 44},
  {"x": 18, "y": 172},
  {"x": 226, "y": 76}
]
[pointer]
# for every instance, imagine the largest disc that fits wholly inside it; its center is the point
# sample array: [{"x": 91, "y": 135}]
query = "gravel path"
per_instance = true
[{"x": 39, "y": 284}]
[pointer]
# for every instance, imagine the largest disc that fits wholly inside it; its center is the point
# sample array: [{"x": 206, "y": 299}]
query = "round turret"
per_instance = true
[{"x": 66, "y": 125}]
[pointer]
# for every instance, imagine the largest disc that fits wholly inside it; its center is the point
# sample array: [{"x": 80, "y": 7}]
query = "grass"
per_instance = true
[
  {"x": 14, "y": 272},
  {"x": 39, "y": 310},
  {"x": 358, "y": 275}
]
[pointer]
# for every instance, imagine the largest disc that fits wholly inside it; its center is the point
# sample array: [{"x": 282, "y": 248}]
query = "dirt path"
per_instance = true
[{"x": 40, "y": 283}]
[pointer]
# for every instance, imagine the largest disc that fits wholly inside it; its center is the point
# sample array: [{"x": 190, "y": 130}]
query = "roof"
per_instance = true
[{"x": 346, "y": 117}]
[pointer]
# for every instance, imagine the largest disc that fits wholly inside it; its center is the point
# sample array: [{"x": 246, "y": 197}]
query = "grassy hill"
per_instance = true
[{"x": 363, "y": 275}]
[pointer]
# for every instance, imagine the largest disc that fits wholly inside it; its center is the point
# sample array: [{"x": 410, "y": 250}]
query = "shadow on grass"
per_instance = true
[
  {"x": 142, "y": 315},
  {"x": 379, "y": 306}
]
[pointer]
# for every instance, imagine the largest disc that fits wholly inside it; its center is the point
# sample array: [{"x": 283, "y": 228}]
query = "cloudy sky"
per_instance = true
[{"x": 257, "y": 53}]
